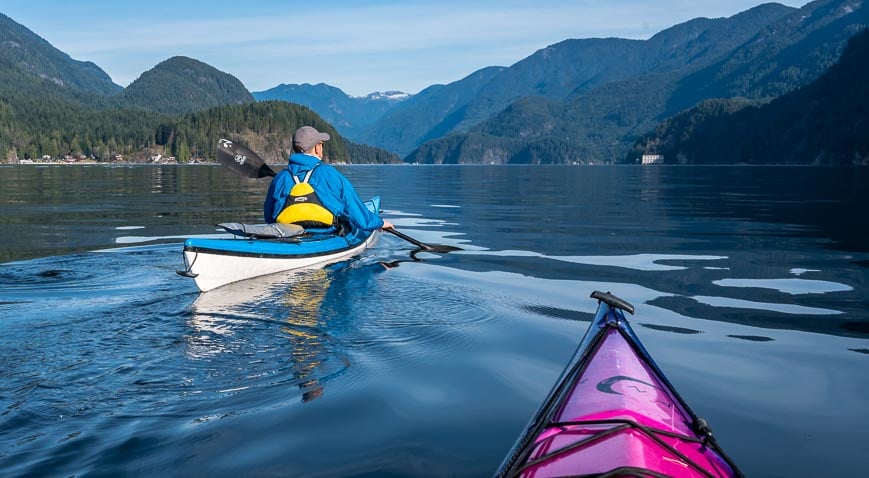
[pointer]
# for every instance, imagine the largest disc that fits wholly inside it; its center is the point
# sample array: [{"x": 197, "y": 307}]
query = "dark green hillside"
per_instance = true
[
  {"x": 707, "y": 39},
  {"x": 183, "y": 85},
  {"x": 510, "y": 142},
  {"x": 265, "y": 127},
  {"x": 596, "y": 129},
  {"x": 39, "y": 117},
  {"x": 37, "y": 121},
  {"x": 783, "y": 56},
  {"x": 23, "y": 50},
  {"x": 50, "y": 106},
  {"x": 825, "y": 122}
]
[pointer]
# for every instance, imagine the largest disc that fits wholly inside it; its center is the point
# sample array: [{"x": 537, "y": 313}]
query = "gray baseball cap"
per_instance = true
[{"x": 307, "y": 137}]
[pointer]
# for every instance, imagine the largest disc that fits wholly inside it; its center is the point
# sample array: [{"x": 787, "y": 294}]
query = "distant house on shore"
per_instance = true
[{"x": 653, "y": 159}]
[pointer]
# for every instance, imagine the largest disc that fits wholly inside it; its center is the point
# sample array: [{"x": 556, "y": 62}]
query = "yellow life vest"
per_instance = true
[{"x": 303, "y": 206}]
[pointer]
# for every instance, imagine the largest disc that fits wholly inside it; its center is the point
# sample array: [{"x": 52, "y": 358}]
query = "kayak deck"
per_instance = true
[
  {"x": 213, "y": 263},
  {"x": 614, "y": 413},
  {"x": 302, "y": 246}
]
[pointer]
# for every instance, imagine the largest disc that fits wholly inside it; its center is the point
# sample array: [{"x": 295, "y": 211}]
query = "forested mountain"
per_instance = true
[
  {"x": 825, "y": 122},
  {"x": 31, "y": 127},
  {"x": 184, "y": 85},
  {"x": 572, "y": 67},
  {"x": 265, "y": 127},
  {"x": 601, "y": 124},
  {"x": 786, "y": 55},
  {"x": 350, "y": 115},
  {"x": 29, "y": 65},
  {"x": 43, "y": 115},
  {"x": 28, "y": 53},
  {"x": 51, "y": 105},
  {"x": 577, "y": 66}
]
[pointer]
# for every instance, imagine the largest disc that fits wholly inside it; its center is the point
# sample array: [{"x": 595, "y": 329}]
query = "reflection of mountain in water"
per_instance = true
[
  {"x": 777, "y": 247},
  {"x": 821, "y": 202},
  {"x": 768, "y": 217}
]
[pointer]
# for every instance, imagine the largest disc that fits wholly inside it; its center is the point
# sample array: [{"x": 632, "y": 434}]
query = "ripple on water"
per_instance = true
[
  {"x": 791, "y": 285},
  {"x": 105, "y": 355},
  {"x": 391, "y": 327}
]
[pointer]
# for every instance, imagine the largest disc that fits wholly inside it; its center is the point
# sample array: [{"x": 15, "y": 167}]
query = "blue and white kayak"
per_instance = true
[{"x": 213, "y": 263}]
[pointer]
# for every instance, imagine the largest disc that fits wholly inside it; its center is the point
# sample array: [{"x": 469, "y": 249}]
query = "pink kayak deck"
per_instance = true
[{"x": 617, "y": 391}]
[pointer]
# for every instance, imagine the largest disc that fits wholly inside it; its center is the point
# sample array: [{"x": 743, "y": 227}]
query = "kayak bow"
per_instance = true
[{"x": 613, "y": 413}]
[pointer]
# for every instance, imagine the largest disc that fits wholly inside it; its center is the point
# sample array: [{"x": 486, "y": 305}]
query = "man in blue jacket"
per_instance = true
[{"x": 333, "y": 190}]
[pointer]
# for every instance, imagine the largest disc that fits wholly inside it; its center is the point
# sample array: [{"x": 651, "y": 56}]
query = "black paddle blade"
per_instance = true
[
  {"x": 441, "y": 248},
  {"x": 242, "y": 160}
]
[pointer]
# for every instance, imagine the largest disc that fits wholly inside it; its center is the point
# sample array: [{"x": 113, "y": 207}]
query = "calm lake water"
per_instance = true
[{"x": 751, "y": 287}]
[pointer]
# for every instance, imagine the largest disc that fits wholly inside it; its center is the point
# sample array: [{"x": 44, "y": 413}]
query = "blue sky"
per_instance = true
[{"x": 359, "y": 46}]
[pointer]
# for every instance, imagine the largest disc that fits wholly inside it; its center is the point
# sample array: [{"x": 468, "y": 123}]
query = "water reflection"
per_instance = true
[
  {"x": 671, "y": 329},
  {"x": 305, "y": 332},
  {"x": 752, "y": 338},
  {"x": 791, "y": 286},
  {"x": 640, "y": 262},
  {"x": 765, "y": 306},
  {"x": 233, "y": 324},
  {"x": 278, "y": 330}
]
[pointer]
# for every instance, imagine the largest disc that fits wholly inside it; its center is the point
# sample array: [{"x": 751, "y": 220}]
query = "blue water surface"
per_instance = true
[{"x": 750, "y": 286}]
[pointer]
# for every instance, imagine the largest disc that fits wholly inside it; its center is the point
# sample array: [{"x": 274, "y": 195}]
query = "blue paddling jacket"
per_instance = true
[{"x": 334, "y": 190}]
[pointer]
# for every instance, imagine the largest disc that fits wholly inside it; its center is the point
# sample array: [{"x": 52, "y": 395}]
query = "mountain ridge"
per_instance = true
[
  {"x": 183, "y": 85},
  {"x": 350, "y": 115},
  {"x": 178, "y": 108},
  {"x": 575, "y": 66},
  {"x": 823, "y": 122},
  {"x": 600, "y": 125},
  {"x": 23, "y": 49}
]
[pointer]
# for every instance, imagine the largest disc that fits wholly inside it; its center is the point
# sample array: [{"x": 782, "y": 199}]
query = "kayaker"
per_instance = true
[{"x": 332, "y": 197}]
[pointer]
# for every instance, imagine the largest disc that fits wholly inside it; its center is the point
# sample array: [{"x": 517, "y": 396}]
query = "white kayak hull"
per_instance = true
[{"x": 211, "y": 268}]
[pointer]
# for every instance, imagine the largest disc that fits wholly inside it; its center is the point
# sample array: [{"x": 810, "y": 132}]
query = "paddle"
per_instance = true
[
  {"x": 242, "y": 160},
  {"x": 247, "y": 163},
  {"x": 425, "y": 247}
]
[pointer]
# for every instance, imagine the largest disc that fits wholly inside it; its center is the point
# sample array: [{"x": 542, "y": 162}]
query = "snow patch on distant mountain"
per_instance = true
[{"x": 387, "y": 95}]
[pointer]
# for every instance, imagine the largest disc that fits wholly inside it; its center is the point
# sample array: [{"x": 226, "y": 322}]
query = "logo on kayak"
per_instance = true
[
  {"x": 240, "y": 158},
  {"x": 624, "y": 385}
]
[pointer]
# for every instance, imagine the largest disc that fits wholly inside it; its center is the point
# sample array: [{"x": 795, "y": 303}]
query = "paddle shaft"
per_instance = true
[
  {"x": 442, "y": 248},
  {"x": 409, "y": 239}
]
